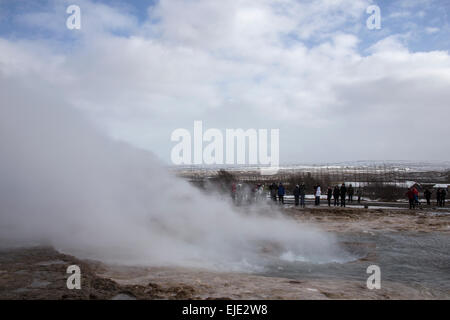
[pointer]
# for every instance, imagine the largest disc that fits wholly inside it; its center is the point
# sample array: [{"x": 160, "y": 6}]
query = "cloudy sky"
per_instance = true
[{"x": 336, "y": 90}]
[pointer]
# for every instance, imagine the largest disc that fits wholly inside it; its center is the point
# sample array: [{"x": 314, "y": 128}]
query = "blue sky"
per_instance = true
[{"x": 423, "y": 24}]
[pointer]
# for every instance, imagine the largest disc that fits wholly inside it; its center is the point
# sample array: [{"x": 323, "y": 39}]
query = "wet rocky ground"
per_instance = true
[{"x": 41, "y": 272}]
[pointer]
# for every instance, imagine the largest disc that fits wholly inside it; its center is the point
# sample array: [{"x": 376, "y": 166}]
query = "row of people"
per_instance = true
[
  {"x": 299, "y": 192},
  {"x": 441, "y": 193},
  {"x": 244, "y": 193},
  {"x": 338, "y": 194}
]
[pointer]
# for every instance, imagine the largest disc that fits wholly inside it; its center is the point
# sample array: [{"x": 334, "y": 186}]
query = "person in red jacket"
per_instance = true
[
  {"x": 233, "y": 192},
  {"x": 416, "y": 195},
  {"x": 410, "y": 195}
]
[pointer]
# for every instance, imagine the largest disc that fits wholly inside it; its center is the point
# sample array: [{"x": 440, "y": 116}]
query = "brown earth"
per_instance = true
[{"x": 369, "y": 220}]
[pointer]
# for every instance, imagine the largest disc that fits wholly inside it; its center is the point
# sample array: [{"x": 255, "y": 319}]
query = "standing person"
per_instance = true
[
  {"x": 281, "y": 193},
  {"x": 239, "y": 194},
  {"x": 302, "y": 194},
  {"x": 318, "y": 194},
  {"x": 343, "y": 191},
  {"x": 411, "y": 198},
  {"x": 256, "y": 192},
  {"x": 438, "y": 197},
  {"x": 296, "y": 193},
  {"x": 314, "y": 194},
  {"x": 260, "y": 194},
  {"x": 336, "y": 195},
  {"x": 233, "y": 192},
  {"x": 427, "y": 194},
  {"x": 359, "y": 194},
  {"x": 252, "y": 194},
  {"x": 443, "y": 194},
  {"x": 329, "y": 195},
  {"x": 416, "y": 195},
  {"x": 350, "y": 193},
  {"x": 273, "y": 191}
]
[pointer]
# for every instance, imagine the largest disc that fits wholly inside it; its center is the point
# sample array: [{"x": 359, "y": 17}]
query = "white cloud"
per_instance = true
[
  {"x": 96, "y": 17},
  {"x": 247, "y": 64},
  {"x": 431, "y": 30}
]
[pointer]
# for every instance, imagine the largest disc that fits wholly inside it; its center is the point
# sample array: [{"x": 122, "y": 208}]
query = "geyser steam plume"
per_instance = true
[{"x": 63, "y": 183}]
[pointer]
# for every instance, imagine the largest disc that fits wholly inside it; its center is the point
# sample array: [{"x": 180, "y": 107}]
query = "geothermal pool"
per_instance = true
[{"x": 420, "y": 260}]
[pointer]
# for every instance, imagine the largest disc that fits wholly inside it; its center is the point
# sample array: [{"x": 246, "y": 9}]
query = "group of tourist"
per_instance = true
[
  {"x": 337, "y": 195},
  {"x": 277, "y": 193},
  {"x": 413, "y": 197},
  {"x": 441, "y": 193},
  {"x": 244, "y": 194}
]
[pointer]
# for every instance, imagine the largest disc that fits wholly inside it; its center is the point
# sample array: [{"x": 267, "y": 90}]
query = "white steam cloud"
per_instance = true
[{"x": 65, "y": 184}]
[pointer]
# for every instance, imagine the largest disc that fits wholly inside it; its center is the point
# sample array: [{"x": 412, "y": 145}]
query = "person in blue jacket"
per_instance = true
[{"x": 281, "y": 193}]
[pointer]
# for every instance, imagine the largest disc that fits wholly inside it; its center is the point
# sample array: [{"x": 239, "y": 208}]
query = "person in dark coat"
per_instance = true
[
  {"x": 302, "y": 194},
  {"x": 350, "y": 193},
  {"x": 336, "y": 193},
  {"x": 427, "y": 193},
  {"x": 443, "y": 194},
  {"x": 438, "y": 197},
  {"x": 329, "y": 195},
  {"x": 273, "y": 191},
  {"x": 296, "y": 193},
  {"x": 359, "y": 194},
  {"x": 343, "y": 191},
  {"x": 281, "y": 193}
]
